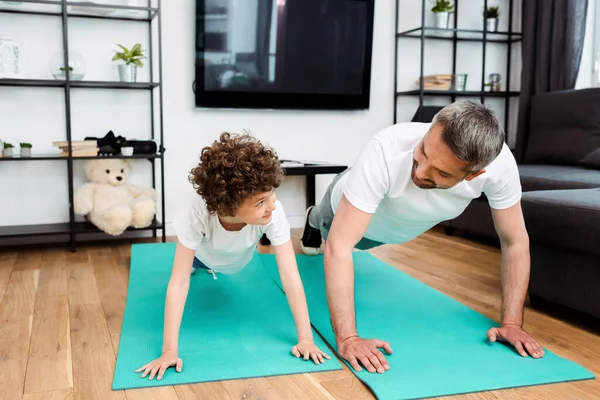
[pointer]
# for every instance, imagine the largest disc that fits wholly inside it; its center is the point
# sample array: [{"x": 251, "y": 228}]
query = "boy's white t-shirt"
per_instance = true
[
  {"x": 380, "y": 183},
  {"x": 226, "y": 251}
]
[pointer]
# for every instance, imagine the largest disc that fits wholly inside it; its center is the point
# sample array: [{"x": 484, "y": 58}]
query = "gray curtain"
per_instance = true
[{"x": 553, "y": 33}]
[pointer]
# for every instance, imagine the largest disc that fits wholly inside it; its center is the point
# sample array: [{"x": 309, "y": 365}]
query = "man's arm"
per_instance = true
[
  {"x": 348, "y": 227},
  {"x": 514, "y": 242}
]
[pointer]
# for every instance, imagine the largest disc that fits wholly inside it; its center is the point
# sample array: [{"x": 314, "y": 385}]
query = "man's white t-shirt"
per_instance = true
[
  {"x": 380, "y": 183},
  {"x": 226, "y": 251}
]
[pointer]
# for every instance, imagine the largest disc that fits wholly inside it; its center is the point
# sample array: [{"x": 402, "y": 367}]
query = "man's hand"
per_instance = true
[
  {"x": 518, "y": 338},
  {"x": 306, "y": 348},
  {"x": 160, "y": 365},
  {"x": 355, "y": 349}
]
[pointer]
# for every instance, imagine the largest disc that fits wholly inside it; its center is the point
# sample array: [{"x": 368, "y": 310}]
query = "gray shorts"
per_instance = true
[{"x": 322, "y": 216}]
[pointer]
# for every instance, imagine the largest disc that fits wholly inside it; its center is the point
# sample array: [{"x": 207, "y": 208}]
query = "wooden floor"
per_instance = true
[{"x": 61, "y": 315}]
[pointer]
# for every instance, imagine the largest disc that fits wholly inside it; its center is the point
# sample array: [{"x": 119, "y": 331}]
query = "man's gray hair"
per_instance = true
[{"x": 472, "y": 132}]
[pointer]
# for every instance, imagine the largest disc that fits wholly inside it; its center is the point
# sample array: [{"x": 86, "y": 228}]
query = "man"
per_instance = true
[{"x": 410, "y": 177}]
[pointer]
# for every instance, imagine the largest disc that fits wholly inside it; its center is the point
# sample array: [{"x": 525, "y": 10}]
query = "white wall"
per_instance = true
[{"x": 33, "y": 193}]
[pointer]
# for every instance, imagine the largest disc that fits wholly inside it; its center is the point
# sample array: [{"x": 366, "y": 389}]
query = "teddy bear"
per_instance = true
[{"x": 109, "y": 202}]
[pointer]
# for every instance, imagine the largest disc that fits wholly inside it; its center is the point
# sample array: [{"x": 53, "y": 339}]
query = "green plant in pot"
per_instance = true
[
  {"x": 126, "y": 148},
  {"x": 491, "y": 15},
  {"x": 8, "y": 150},
  {"x": 442, "y": 10},
  {"x": 132, "y": 59},
  {"x": 25, "y": 149}
]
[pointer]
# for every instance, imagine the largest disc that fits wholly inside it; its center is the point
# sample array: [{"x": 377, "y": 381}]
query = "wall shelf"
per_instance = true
[
  {"x": 456, "y": 35},
  {"x": 468, "y": 35},
  {"x": 458, "y": 93},
  {"x": 82, "y": 10},
  {"x": 79, "y": 84},
  {"x": 67, "y": 10},
  {"x": 63, "y": 228},
  {"x": 114, "y": 85},
  {"x": 56, "y": 157},
  {"x": 32, "y": 82}
]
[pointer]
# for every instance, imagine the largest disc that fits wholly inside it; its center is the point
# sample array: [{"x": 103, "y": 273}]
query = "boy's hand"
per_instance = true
[
  {"x": 160, "y": 365},
  {"x": 308, "y": 349}
]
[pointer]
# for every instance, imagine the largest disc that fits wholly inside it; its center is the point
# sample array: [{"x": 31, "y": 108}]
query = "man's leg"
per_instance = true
[
  {"x": 311, "y": 237},
  {"x": 317, "y": 223}
]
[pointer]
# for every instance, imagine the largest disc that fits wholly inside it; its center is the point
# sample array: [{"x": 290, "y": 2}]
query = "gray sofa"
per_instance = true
[{"x": 560, "y": 177}]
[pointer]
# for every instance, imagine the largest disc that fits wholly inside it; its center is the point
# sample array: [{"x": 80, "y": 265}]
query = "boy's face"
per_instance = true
[{"x": 258, "y": 209}]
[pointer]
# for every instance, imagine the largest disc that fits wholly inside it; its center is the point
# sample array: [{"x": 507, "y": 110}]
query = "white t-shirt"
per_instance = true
[
  {"x": 379, "y": 183},
  {"x": 226, "y": 251}
]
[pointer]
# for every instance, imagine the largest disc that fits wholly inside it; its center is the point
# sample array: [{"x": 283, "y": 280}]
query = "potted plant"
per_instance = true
[
  {"x": 442, "y": 10},
  {"x": 126, "y": 149},
  {"x": 25, "y": 149},
  {"x": 133, "y": 59},
  {"x": 8, "y": 150},
  {"x": 491, "y": 18}
]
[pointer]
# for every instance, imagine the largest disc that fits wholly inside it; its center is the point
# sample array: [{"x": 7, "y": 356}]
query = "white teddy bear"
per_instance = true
[{"x": 109, "y": 202}]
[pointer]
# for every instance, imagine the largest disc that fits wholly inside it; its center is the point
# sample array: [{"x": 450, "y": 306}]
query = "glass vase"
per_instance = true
[
  {"x": 11, "y": 59},
  {"x": 77, "y": 66}
]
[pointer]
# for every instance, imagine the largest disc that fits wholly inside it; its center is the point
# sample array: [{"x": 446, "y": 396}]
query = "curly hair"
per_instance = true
[{"x": 233, "y": 169}]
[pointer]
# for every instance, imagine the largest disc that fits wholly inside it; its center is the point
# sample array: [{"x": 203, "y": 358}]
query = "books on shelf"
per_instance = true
[
  {"x": 436, "y": 82},
  {"x": 79, "y": 148}
]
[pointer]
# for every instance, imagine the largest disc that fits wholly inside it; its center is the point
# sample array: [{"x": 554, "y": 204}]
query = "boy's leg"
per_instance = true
[{"x": 198, "y": 265}]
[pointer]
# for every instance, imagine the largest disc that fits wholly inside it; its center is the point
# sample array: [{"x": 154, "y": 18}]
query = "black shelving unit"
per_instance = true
[
  {"x": 456, "y": 35},
  {"x": 63, "y": 10}
]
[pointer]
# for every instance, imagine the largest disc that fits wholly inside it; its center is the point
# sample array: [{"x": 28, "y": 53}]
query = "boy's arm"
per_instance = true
[
  {"x": 176, "y": 295},
  {"x": 177, "y": 292},
  {"x": 293, "y": 288}
]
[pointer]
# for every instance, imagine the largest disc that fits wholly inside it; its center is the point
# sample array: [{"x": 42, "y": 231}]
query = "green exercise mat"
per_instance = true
[
  {"x": 238, "y": 326},
  {"x": 440, "y": 345}
]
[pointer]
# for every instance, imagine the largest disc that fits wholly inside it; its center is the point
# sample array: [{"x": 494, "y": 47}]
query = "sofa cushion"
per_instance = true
[
  {"x": 565, "y": 218},
  {"x": 592, "y": 160},
  {"x": 556, "y": 177},
  {"x": 564, "y": 127}
]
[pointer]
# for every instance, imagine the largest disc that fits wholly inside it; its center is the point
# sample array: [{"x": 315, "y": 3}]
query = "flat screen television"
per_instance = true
[{"x": 289, "y": 54}]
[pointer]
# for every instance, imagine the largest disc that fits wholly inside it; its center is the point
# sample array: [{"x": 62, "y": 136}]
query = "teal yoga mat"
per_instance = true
[
  {"x": 238, "y": 326},
  {"x": 440, "y": 345}
]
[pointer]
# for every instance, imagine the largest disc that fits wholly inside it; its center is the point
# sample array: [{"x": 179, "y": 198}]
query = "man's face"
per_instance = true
[{"x": 434, "y": 164}]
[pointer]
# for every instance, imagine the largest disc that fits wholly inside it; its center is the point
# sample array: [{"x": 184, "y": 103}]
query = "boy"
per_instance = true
[{"x": 235, "y": 181}]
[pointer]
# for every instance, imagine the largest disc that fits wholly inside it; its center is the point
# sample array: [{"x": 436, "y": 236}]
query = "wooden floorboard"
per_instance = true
[
  {"x": 49, "y": 365},
  {"x": 61, "y": 315},
  {"x": 16, "y": 320},
  {"x": 61, "y": 394}
]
